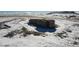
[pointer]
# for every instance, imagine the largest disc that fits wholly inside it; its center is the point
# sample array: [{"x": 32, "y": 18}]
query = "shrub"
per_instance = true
[
  {"x": 24, "y": 29},
  {"x": 75, "y": 43},
  {"x": 10, "y": 34},
  {"x": 62, "y": 34}
]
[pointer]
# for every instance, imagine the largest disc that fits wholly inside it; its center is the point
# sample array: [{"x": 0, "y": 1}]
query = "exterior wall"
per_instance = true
[{"x": 51, "y": 23}]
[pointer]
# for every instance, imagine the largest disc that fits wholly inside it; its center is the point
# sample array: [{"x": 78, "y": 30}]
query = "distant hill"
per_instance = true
[
  {"x": 62, "y": 12},
  {"x": 22, "y": 13}
]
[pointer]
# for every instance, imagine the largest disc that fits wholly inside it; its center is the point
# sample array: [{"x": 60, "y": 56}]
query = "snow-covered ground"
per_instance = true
[{"x": 66, "y": 34}]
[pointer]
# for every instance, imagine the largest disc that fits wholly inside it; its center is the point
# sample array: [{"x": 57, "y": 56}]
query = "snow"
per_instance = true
[
  {"x": 25, "y": 24},
  {"x": 50, "y": 39}
]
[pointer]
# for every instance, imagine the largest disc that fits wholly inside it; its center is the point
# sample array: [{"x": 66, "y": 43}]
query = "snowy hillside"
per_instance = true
[{"x": 12, "y": 33}]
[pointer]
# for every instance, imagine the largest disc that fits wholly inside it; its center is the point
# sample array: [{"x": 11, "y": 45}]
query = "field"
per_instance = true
[{"x": 16, "y": 32}]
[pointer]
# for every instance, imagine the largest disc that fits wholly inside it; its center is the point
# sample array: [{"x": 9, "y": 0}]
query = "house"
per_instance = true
[{"x": 42, "y": 23}]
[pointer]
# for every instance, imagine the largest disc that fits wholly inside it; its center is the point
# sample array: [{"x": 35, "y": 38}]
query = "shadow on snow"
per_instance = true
[{"x": 43, "y": 29}]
